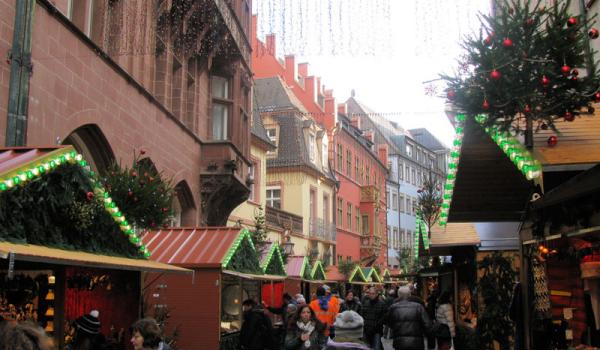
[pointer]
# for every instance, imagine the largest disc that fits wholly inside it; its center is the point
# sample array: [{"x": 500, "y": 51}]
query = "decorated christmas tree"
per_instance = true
[{"x": 530, "y": 65}]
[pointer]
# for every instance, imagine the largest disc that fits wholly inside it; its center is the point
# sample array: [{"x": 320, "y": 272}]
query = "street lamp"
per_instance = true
[{"x": 288, "y": 245}]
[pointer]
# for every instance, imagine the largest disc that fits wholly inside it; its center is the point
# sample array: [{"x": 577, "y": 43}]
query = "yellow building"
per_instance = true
[{"x": 300, "y": 188}]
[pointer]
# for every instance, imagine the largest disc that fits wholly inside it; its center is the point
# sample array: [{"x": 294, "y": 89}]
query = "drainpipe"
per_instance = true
[{"x": 20, "y": 72}]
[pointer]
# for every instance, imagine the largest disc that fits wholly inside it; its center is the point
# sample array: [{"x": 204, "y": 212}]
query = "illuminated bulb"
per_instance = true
[
  {"x": 107, "y": 200},
  {"x": 68, "y": 156},
  {"x": 23, "y": 177},
  {"x": 78, "y": 157},
  {"x": 9, "y": 183},
  {"x": 35, "y": 171}
]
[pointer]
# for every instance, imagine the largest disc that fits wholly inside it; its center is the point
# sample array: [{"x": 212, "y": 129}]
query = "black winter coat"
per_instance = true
[
  {"x": 409, "y": 323},
  {"x": 257, "y": 331},
  {"x": 353, "y": 305},
  {"x": 372, "y": 312}
]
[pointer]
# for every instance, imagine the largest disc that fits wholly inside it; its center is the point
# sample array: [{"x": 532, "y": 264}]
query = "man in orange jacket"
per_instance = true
[{"x": 326, "y": 307}]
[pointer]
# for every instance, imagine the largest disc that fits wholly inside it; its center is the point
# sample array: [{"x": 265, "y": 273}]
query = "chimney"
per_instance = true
[
  {"x": 270, "y": 38},
  {"x": 254, "y": 39},
  {"x": 319, "y": 90},
  {"x": 342, "y": 108},
  {"x": 303, "y": 69},
  {"x": 355, "y": 121},
  {"x": 309, "y": 87},
  {"x": 290, "y": 69},
  {"x": 382, "y": 152},
  {"x": 330, "y": 116}
]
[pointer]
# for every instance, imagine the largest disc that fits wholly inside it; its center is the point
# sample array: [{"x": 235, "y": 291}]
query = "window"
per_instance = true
[
  {"x": 387, "y": 198},
  {"x": 340, "y": 155},
  {"x": 400, "y": 171},
  {"x": 340, "y": 259},
  {"x": 326, "y": 208},
  {"x": 408, "y": 205},
  {"x": 407, "y": 173},
  {"x": 357, "y": 218},
  {"x": 324, "y": 151},
  {"x": 367, "y": 175},
  {"x": 348, "y": 258},
  {"x": 221, "y": 105},
  {"x": 409, "y": 150},
  {"x": 274, "y": 196},
  {"x": 349, "y": 163},
  {"x": 349, "y": 216},
  {"x": 340, "y": 209},
  {"x": 413, "y": 176},
  {"x": 419, "y": 178},
  {"x": 414, "y": 207},
  {"x": 394, "y": 201},
  {"x": 402, "y": 203},
  {"x": 356, "y": 167},
  {"x": 365, "y": 225},
  {"x": 272, "y": 134},
  {"x": 389, "y": 234},
  {"x": 313, "y": 204},
  {"x": 311, "y": 147},
  {"x": 395, "y": 238},
  {"x": 253, "y": 196}
]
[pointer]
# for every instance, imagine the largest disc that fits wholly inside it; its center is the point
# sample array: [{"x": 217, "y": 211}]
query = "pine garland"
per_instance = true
[
  {"x": 530, "y": 66},
  {"x": 245, "y": 259},
  {"x": 141, "y": 192},
  {"x": 59, "y": 209}
]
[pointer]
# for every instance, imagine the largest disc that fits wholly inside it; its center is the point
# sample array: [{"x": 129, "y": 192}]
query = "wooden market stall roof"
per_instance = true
[
  {"x": 488, "y": 186},
  {"x": 357, "y": 275},
  {"x": 334, "y": 274},
  {"x": 19, "y": 166},
  {"x": 578, "y": 142},
  {"x": 318, "y": 271},
  {"x": 196, "y": 247},
  {"x": 36, "y": 253},
  {"x": 386, "y": 275},
  {"x": 453, "y": 234},
  {"x": 371, "y": 274},
  {"x": 271, "y": 258},
  {"x": 297, "y": 266}
]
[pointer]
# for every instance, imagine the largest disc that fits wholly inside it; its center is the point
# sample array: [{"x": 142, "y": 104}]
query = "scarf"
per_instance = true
[
  {"x": 306, "y": 328},
  {"x": 324, "y": 302}
]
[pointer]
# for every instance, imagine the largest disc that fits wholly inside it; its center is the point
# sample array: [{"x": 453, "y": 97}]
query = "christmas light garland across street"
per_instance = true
[{"x": 54, "y": 159}]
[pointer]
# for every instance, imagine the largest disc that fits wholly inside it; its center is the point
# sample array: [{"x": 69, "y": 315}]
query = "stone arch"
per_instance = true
[
  {"x": 184, "y": 208},
  {"x": 90, "y": 141}
]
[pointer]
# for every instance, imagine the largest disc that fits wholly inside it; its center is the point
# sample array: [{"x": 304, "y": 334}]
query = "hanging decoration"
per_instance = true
[
  {"x": 332, "y": 27},
  {"x": 64, "y": 180},
  {"x": 529, "y": 57}
]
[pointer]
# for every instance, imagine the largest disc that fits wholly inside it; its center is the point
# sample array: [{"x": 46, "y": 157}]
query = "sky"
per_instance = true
[{"x": 407, "y": 42}]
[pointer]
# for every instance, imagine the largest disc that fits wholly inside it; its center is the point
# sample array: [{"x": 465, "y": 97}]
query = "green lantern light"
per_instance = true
[
  {"x": 82, "y": 162},
  {"x": 457, "y": 142},
  {"x": 147, "y": 255},
  {"x": 29, "y": 174},
  {"x": 16, "y": 180},
  {"x": 3, "y": 186}
]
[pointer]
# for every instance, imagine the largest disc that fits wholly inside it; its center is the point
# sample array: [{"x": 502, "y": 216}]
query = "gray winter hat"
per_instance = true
[{"x": 349, "y": 324}]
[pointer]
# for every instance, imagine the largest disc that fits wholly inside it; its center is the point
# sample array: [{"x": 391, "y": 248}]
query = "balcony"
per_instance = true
[
  {"x": 369, "y": 194},
  {"x": 235, "y": 28},
  {"x": 285, "y": 220},
  {"x": 319, "y": 229}
]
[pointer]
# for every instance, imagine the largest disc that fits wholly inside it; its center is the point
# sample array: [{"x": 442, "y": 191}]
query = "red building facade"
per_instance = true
[
  {"x": 111, "y": 77},
  {"x": 360, "y": 204}
]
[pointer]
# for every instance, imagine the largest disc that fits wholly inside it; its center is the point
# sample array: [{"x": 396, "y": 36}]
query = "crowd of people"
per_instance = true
[
  {"x": 145, "y": 335},
  {"x": 395, "y": 316}
]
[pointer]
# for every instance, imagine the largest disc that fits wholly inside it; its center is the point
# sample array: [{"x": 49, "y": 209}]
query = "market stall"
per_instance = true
[
  {"x": 70, "y": 250},
  {"x": 227, "y": 271},
  {"x": 298, "y": 274}
]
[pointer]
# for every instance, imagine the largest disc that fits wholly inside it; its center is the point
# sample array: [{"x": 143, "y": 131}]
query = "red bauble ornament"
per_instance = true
[
  {"x": 164, "y": 210},
  {"x": 527, "y": 109},
  {"x": 575, "y": 72},
  {"x": 565, "y": 70},
  {"x": 571, "y": 21},
  {"x": 133, "y": 173},
  {"x": 130, "y": 193},
  {"x": 552, "y": 141},
  {"x": 544, "y": 126},
  {"x": 488, "y": 40},
  {"x": 569, "y": 116},
  {"x": 485, "y": 104},
  {"x": 142, "y": 151},
  {"x": 597, "y": 97},
  {"x": 89, "y": 196},
  {"x": 507, "y": 42},
  {"x": 545, "y": 80},
  {"x": 593, "y": 33},
  {"x": 495, "y": 75},
  {"x": 574, "y": 79},
  {"x": 450, "y": 94},
  {"x": 529, "y": 22}
]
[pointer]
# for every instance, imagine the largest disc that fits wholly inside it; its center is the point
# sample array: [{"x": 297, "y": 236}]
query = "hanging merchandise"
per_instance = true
[{"x": 541, "y": 295}]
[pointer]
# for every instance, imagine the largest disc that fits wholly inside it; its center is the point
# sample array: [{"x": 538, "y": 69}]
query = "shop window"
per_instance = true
[
  {"x": 221, "y": 107},
  {"x": 274, "y": 197}
]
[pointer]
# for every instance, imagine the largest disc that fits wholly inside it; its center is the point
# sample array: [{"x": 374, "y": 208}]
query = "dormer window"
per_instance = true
[{"x": 324, "y": 151}]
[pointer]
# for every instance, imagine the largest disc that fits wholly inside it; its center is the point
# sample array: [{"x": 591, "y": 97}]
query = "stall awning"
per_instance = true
[
  {"x": 254, "y": 277},
  {"x": 334, "y": 274},
  {"x": 296, "y": 266},
  {"x": 453, "y": 234},
  {"x": 36, "y": 253},
  {"x": 193, "y": 247}
]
